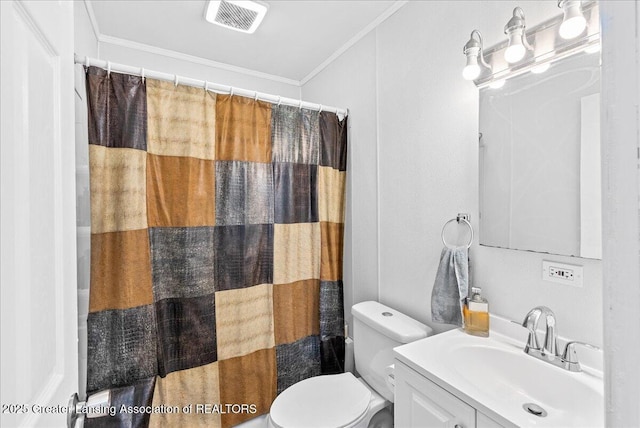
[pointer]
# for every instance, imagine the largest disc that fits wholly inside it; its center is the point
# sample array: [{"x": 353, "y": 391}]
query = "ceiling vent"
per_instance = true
[{"x": 244, "y": 16}]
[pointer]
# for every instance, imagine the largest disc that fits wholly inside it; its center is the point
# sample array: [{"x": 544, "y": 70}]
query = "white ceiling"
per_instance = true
[{"x": 295, "y": 37}]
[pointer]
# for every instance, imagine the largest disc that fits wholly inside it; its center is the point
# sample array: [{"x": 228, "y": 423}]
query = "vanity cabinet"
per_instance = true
[{"x": 419, "y": 402}]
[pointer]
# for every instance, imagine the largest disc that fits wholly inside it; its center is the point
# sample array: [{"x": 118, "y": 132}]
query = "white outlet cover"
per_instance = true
[{"x": 562, "y": 273}]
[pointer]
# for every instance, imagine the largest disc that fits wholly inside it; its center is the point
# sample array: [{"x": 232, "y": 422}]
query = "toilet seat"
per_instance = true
[{"x": 322, "y": 401}]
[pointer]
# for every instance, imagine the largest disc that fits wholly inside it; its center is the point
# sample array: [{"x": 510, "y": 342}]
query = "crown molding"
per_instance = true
[{"x": 92, "y": 18}]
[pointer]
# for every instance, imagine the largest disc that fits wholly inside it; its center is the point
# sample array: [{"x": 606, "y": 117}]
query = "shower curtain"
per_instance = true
[{"x": 216, "y": 251}]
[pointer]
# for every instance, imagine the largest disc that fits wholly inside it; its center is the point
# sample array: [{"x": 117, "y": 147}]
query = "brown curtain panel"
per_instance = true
[{"x": 217, "y": 243}]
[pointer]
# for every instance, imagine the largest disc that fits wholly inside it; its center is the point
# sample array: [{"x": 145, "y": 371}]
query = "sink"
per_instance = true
[
  {"x": 510, "y": 375},
  {"x": 494, "y": 374}
]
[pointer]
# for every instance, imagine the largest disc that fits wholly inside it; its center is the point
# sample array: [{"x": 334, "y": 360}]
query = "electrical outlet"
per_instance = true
[
  {"x": 562, "y": 273},
  {"x": 556, "y": 272}
]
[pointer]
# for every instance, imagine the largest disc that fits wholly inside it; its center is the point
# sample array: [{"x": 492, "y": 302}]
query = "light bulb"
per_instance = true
[
  {"x": 541, "y": 68},
  {"x": 573, "y": 23},
  {"x": 471, "y": 72},
  {"x": 473, "y": 51},
  {"x": 497, "y": 84},
  {"x": 573, "y": 27},
  {"x": 516, "y": 51}
]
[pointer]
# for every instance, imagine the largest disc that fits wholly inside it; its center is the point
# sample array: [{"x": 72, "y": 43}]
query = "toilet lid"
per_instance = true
[{"x": 320, "y": 402}]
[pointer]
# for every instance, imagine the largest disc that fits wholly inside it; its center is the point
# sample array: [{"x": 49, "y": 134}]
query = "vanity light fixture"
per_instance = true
[
  {"x": 515, "y": 30},
  {"x": 475, "y": 58},
  {"x": 574, "y": 22},
  {"x": 516, "y": 55}
]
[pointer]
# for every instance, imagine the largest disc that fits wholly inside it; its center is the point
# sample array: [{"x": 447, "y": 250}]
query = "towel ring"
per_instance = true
[{"x": 458, "y": 219}]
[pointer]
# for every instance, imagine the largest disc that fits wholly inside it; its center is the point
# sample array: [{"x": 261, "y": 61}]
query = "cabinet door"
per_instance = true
[{"x": 421, "y": 403}]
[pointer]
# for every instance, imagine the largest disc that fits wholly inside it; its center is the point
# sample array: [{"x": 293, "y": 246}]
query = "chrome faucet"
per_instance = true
[
  {"x": 550, "y": 345},
  {"x": 549, "y": 350}
]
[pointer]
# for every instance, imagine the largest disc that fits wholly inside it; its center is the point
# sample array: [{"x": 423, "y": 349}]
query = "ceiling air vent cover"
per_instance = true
[{"x": 244, "y": 16}]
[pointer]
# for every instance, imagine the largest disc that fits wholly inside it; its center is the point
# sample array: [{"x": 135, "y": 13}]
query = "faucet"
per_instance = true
[
  {"x": 549, "y": 350},
  {"x": 550, "y": 346}
]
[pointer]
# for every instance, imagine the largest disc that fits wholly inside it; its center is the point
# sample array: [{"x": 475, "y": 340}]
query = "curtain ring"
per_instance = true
[
  {"x": 142, "y": 74},
  {"x": 256, "y": 97},
  {"x": 175, "y": 82},
  {"x": 86, "y": 61},
  {"x": 109, "y": 68},
  {"x": 300, "y": 105},
  {"x": 231, "y": 91},
  {"x": 206, "y": 86},
  {"x": 279, "y": 100},
  {"x": 321, "y": 107}
]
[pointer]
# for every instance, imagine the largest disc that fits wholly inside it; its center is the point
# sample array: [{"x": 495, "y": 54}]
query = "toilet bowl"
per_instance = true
[{"x": 342, "y": 400}]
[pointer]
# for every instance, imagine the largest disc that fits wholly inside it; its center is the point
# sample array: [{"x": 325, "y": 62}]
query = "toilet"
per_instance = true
[{"x": 342, "y": 400}]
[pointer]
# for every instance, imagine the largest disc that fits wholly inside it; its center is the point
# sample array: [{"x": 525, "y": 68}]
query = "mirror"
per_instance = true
[{"x": 540, "y": 160}]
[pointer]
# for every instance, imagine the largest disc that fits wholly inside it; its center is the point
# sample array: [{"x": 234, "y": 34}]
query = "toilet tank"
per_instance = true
[{"x": 377, "y": 329}]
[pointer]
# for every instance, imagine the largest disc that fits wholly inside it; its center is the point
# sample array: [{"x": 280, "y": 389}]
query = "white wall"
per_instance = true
[
  {"x": 427, "y": 151},
  {"x": 428, "y": 143}
]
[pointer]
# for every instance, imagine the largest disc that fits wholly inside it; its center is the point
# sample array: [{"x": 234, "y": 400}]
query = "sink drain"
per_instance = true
[{"x": 534, "y": 409}]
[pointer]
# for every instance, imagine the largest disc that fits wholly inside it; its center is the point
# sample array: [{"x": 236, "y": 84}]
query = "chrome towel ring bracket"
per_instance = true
[{"x": 461, "y": 217}]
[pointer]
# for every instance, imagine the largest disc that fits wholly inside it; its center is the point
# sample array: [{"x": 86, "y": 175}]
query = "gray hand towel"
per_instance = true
[{"x": 451, "y": 286}]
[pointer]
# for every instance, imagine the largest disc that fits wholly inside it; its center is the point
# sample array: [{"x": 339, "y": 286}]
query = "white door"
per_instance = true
[{"x": 37, "y": 213}]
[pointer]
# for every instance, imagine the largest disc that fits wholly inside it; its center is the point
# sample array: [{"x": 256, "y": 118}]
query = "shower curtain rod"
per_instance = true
[{"x": 210, "y": 86}]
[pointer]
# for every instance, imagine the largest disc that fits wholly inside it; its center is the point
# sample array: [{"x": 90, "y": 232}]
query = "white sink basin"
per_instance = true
[{"x": 495, "y": 376}]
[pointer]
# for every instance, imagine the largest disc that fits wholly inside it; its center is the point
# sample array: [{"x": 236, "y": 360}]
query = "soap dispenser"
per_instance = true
[{"x": 476, "y": 314}]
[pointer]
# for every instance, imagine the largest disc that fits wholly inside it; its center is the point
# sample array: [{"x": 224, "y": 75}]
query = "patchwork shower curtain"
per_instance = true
[{"x": 216, "y": 251}]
